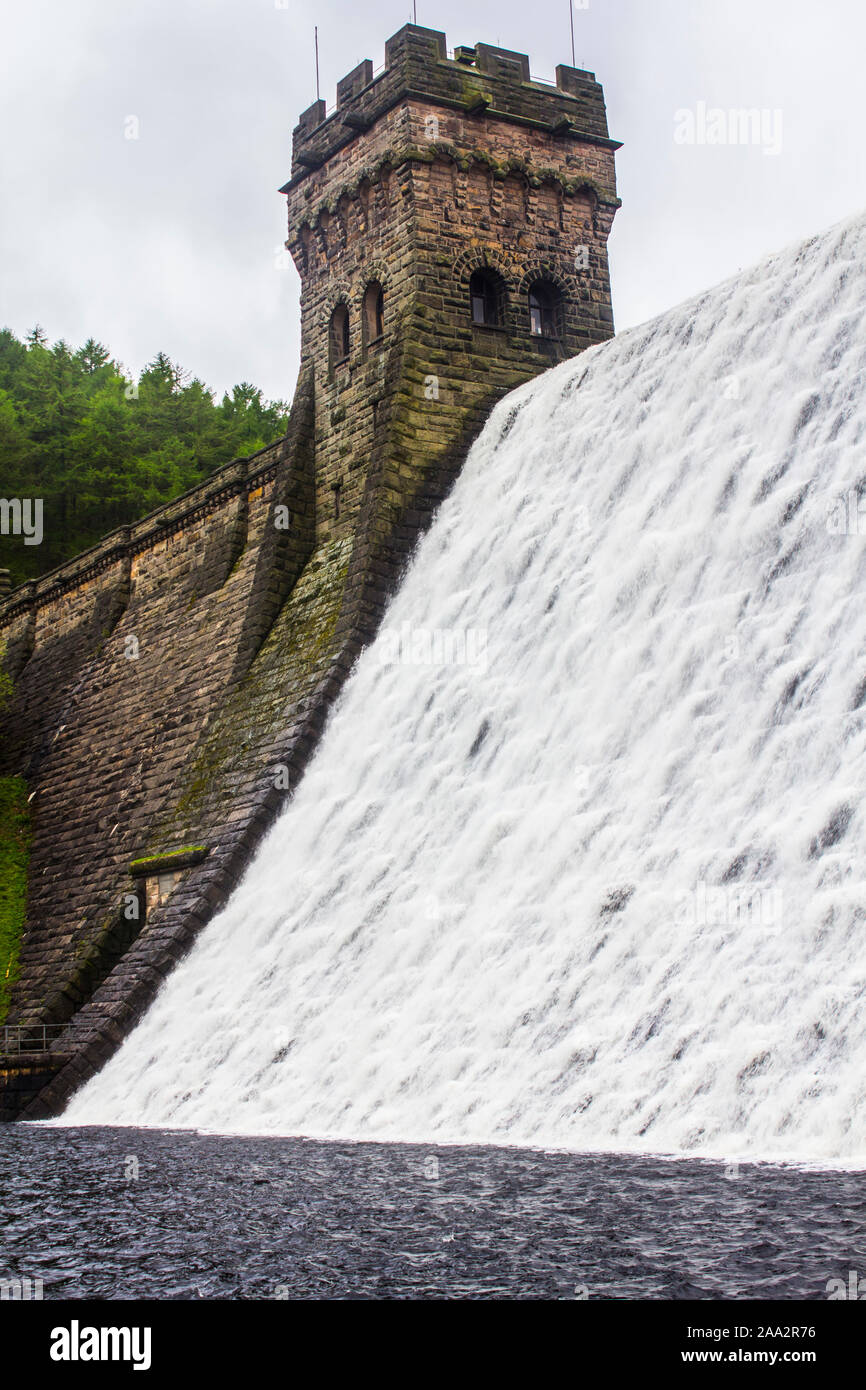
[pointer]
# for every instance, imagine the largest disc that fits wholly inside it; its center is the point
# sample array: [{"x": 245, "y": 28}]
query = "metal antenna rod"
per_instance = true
[
  {"x": 571, "y": 17},
  {"x": 414, "y": 11},
  {"x": 318, "y": 94}
]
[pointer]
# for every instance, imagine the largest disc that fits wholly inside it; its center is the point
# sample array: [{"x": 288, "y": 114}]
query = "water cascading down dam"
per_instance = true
[{"x": 578, "y": 861}]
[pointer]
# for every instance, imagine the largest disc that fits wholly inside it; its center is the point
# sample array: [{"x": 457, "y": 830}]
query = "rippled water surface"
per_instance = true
[{"x": 132, "y": 1213}]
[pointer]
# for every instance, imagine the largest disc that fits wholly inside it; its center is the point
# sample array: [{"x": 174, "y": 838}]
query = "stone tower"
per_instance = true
[{"x": 449, "y": 222}]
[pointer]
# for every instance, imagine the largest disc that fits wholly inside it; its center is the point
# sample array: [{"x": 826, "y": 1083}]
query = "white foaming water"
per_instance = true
[{"x": 599, "y": 886}]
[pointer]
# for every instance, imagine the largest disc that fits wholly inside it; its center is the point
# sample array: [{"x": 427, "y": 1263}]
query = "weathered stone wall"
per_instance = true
[
  {"x": 127, "y": 668},
  {"x": 172, "y": 684}
]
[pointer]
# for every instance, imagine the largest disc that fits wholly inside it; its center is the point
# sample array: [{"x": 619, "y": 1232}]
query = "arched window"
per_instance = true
[
  {"x": 339, "y": 335},
  {"x": 486, "y": 297},
  {"x": 545, "y": 310},
  {"x": 374, "y": 312}
]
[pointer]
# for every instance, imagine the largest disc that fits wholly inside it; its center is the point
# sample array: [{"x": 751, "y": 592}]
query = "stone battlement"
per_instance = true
[{"x": 476, "y": 80}]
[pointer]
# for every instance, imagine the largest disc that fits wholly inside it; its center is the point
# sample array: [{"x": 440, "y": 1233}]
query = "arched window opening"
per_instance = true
[
  {"x": 545, "y": 310},
  {"x": 374, "y": 312},
  {"x": 486, "y": 299},
  {"x": 339, "y": 335}
]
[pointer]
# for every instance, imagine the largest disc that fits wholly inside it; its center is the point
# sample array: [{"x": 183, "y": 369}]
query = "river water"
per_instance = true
[{"x": 124, "y": 1213}]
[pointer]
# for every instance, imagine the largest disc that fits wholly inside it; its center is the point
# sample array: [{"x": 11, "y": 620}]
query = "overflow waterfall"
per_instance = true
[{"x": 579, "y": 860}]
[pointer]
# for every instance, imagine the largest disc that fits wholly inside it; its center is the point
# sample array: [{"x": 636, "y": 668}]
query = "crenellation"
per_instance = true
[
  {"x": 354, "y": 83},
  {"x": 502, "y": 62},
  {"x": 486, "y": 79}
]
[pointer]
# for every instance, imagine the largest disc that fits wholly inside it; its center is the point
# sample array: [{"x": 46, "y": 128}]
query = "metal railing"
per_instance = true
[{"x": 16, "y": 1038}]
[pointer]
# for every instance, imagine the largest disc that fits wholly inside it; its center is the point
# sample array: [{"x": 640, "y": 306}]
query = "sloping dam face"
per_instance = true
[{"x": 579, "y": 860}]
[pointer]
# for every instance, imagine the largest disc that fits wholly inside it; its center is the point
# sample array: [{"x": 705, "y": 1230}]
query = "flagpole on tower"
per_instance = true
[
  {"x": 571, "y": 17},
  {"x": 316, "y": 31}
]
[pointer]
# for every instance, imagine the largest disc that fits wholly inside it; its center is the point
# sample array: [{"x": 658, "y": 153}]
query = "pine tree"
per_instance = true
[{"x": 93, "y": 356}]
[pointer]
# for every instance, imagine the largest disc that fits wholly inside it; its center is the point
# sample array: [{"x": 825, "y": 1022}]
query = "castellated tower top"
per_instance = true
[{"x": 476, "y": 81}]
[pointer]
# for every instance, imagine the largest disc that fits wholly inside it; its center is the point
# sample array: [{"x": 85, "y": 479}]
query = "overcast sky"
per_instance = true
[{"x": 169, "y": 241}]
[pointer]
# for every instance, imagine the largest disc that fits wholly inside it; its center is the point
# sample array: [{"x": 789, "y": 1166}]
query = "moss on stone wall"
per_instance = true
[
  {"x": 5, "y": 681},
  {"x": 156, "y": 863},
  {"x": 237, "y": 750},
  {"x": 14, "y": 858},
  {"x": 500, "y": 169}
]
